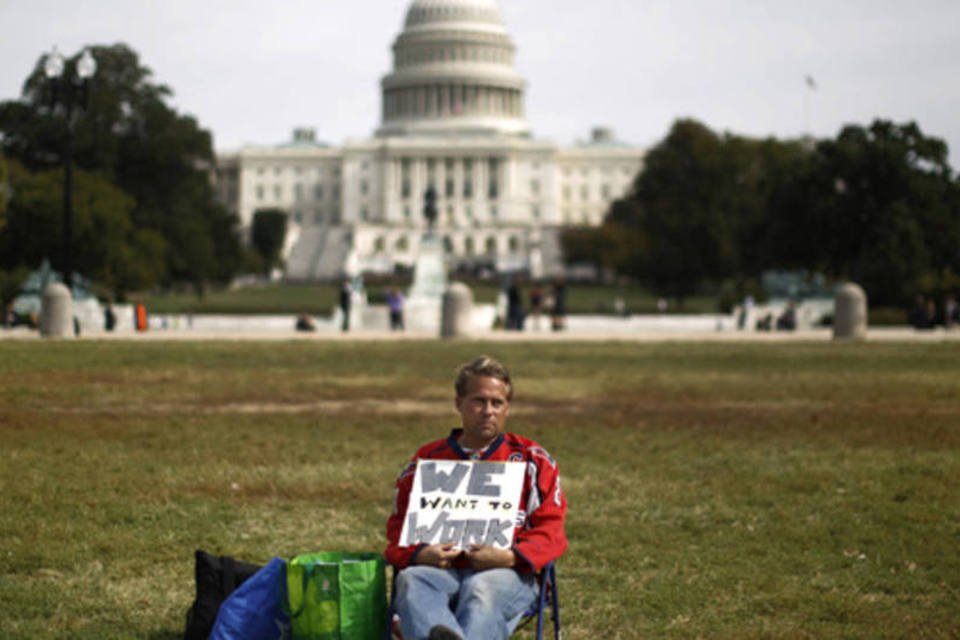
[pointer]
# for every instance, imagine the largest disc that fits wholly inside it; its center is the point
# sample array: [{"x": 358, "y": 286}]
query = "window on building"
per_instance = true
[
  {"x": 566, "y": 194},
  {"x": 318, "y": 216},
  {"x": 297, "y": 217},
  {"x": 405, "y": 183},
  {"x": 406, "y": 212},
  {"x": 584, "y": 192},
  {"x": 493, "y": 211},
  {"x": 318, "y": 192},
  {"x": 493, "y": 171},
  {"x": 277, "y": 192},
  {"x": 448, "y": 244},
  {"x": 402, "y": 244},
  {"x": 260, "y": 192},
  {"x": 468, "y": 178},
  {"x": 491, "y": 245},
  {"x": 364, "y": 213},
  {"x": 535, "y": 212},
  {"x": 468, "y": 247},
  {"x": 298, "y": 192},
  {"x": 514, "y": 244},
  {"x": 336, "y": 191},
  {"x": 450, "y": 187},
  {"x": 364, "y": 187},
  {"x": 535, "y": 187},
  {"x": 605, "y": 191},
  {"x": 379, "y": 244}
]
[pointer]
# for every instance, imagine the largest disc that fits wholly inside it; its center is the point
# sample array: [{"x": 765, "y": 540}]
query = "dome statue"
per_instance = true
[{"x": 453, "y": 73}]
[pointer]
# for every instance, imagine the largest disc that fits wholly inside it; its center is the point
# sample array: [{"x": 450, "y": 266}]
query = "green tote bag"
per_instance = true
[{"x": 337, "y": 596}]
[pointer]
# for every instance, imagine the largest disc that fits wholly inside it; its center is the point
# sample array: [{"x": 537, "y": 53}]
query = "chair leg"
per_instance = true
[{"x": 555, "y": 603}]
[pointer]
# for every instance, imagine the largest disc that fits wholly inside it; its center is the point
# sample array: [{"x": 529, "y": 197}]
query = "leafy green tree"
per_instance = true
[
  {"x": 267, "y": 233},
  {"x": 133, "y": 138},
  {"x": 107, "y": 248},
  {"x": 877, "y": 205},
  {"x": 679, "y": 210},
  {"x": 4, "y": 190}
]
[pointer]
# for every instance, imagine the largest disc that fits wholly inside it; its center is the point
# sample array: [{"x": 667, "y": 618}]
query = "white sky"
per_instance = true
[{"x": 252, "y": 70}]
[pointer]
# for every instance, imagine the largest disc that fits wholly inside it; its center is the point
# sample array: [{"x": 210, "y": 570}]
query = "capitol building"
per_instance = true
[{"x": 452, "y": 118}]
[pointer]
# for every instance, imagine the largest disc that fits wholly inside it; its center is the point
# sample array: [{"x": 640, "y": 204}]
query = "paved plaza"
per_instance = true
[{"x": 579, "y": 328}]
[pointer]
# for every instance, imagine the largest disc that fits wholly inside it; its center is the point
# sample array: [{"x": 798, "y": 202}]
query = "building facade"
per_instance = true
[{"x": 452, "y": 118}]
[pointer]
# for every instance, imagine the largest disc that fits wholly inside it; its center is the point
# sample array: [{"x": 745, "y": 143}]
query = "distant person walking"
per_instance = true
[
  {"x": 346, "y": 297},
  {"x": 536, "y": 304},
  {"x": 514, "y": 308},
  {"x": 559, "y": 312},
  {"x": 395, "y": 304},
  {"x": 951, "y": 311}
]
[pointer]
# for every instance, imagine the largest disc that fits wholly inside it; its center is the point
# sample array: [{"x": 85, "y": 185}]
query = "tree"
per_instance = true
[
  {"x": 107, "y": 248},
  {"x": 679, "y": 210},
  {"x": 878, "y": 205},
  {"x": 4, "y": 190},
  {"x": 134, "y": 139},
  {"x": 267, "y": 233}
]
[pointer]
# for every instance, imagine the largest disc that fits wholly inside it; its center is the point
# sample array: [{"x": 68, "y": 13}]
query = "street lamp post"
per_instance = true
[{"x": 68, "y": 89}]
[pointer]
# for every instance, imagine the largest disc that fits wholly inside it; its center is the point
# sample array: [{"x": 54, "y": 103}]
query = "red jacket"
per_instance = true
[{"x": 539, "y": 540}]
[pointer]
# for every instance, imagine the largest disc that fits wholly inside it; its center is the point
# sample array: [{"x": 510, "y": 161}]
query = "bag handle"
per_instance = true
[{"x": 306, "y": 574}]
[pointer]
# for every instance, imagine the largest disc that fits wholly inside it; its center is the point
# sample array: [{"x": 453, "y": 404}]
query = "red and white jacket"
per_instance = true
[{"x": 538, "y": 540}]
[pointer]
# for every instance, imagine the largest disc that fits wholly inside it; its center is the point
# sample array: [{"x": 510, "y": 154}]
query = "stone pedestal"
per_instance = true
[
  {"x": 457, "y": 314},
  {"x": 850, "y": 313},
  {"x": 422, "y": 308},
  {"x": 56, "y": 311}
]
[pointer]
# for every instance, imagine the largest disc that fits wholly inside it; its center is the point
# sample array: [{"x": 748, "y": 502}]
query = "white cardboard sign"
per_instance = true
[{"x": 464, "y": 502}]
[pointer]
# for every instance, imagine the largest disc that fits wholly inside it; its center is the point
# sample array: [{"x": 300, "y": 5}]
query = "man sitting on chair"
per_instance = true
[{"x": 490, "y": 588}]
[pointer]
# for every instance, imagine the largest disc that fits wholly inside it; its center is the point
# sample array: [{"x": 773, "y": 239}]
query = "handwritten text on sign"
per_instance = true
[{"x": 463, "y": 502}]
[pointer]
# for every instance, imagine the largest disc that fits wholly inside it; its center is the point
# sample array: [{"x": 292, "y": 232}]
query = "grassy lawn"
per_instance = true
[
  {"x": 716, "y": 490},
  {"x": 320, "y": 299}
]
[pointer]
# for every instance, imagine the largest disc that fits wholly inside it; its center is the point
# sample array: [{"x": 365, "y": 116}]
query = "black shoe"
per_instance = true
[{"x": 441, "y": 632}]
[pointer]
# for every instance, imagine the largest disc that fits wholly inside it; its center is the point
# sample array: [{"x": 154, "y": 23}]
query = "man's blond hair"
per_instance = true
[{"x": 482, "y": 367}]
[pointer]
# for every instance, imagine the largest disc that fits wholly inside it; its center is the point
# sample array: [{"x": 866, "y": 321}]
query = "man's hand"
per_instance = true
[
  {"x": 483, "y": 557},
  {"x": 438, "y": 555}
]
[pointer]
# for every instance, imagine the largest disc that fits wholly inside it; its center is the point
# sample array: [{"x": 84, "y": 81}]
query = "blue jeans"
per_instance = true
[{"x": 488, "y": 604}]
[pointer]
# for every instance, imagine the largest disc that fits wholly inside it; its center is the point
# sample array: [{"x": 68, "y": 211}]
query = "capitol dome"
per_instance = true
[{"x": 453, "y": 73}]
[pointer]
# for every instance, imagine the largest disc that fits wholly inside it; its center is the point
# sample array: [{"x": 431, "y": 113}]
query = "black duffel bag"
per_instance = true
[{"x": 217, "y": 577}]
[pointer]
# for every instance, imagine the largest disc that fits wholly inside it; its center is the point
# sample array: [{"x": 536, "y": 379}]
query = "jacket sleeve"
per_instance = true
[
  {"x": 400, "y": 557},
  {"x": 542, "y": 538}
]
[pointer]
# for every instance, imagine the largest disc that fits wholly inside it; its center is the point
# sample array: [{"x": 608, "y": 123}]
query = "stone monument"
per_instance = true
[
  {"x": 457, "y": 311},
  {"x": 422, "y": 308},
  {"x": 56, "y": 311},
  {"x": 850, "y": 313}
]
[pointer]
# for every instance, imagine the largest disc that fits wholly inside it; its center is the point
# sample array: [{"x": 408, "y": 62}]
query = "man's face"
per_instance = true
[{"x": 483, "y": 411}]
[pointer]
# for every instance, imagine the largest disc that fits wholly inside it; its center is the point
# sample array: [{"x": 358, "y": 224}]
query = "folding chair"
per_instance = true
[
  {"x": 547, "y": 596},
  {"x": 548, "y": 591}
]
